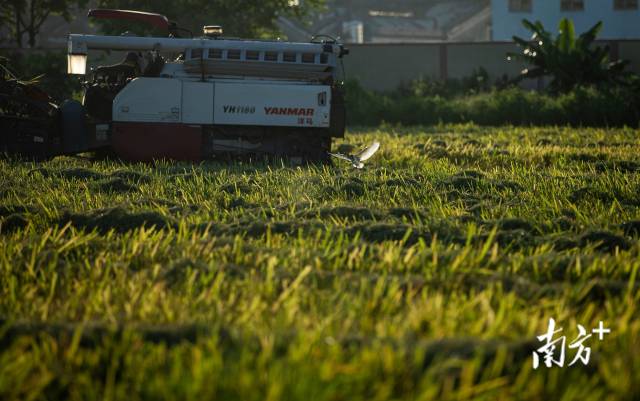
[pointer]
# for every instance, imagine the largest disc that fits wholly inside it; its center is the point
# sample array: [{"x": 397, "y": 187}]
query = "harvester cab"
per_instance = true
[{"x": 193, "y": 98}]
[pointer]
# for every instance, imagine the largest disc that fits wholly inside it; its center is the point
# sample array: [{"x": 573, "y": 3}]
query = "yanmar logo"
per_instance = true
[
  {"x": 288, "y": 111},
  {"x": 239, "y": 109}
]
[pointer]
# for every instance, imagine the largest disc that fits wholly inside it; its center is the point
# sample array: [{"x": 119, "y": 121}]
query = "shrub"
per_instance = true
[
  {"x": 477, "y": 82},
  {"x": 583, "y": 106},
  {"x": 571, "y": 61}
]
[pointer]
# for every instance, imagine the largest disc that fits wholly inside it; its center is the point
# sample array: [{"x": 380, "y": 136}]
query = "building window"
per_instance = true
[
  {"x": 572, "y": 5},
  {"x": 520, "y": 6},
  {"x": 625, "y": 4}
]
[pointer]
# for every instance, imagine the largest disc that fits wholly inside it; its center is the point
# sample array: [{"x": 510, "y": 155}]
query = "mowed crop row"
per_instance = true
[{"x": 427, "y": 275}]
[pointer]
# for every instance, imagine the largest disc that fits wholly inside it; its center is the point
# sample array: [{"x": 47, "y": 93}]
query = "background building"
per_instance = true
[{"x": 621, "y": 18}]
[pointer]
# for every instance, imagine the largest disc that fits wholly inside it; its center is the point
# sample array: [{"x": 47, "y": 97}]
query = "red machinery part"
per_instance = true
[
  {"x": 152, "y": 141},
  {"x": 157, "y": 20}
]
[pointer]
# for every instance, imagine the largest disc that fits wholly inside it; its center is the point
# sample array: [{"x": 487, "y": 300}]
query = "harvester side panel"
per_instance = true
[
  {"x": 197, "y": 102},
  {"x": 165, "y": 100},
  {"x": 272, "y": 105},
  {"x": 149, "y": 100}
]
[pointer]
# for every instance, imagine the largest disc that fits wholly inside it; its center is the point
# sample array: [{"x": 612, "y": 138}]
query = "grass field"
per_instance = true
[{"x": 427, "y": 275}]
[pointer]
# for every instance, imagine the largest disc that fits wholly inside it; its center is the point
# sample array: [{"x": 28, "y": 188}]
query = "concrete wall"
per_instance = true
[
  {"x": 618, "y": 24},
  {"x": 464, "y": 58},
  {"x": 384, "y": 67}
]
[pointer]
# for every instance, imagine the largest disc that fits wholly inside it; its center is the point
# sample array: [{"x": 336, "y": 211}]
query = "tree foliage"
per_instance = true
[
  {"x": 571, "y": 60},
  {"x": 46, "y": 69},
  {"x": 25, "y": 17},
  {"x": 239, "y": 18}
]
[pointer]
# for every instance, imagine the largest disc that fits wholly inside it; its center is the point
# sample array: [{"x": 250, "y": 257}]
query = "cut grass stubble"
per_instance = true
[{"x": 427, "y": 275}]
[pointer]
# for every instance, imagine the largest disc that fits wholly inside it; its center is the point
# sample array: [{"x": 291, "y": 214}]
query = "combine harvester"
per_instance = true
[{"x": 184, "y": 98}]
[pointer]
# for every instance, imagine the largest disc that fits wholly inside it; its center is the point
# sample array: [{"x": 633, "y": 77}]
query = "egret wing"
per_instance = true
[
  {"x": 368, "y": 152},
  {"x": 341, "y": 156}
]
